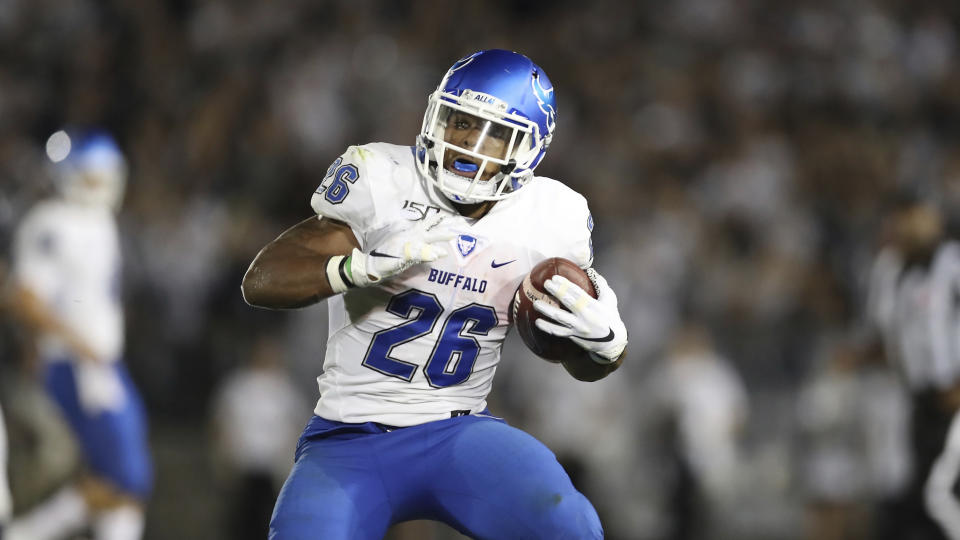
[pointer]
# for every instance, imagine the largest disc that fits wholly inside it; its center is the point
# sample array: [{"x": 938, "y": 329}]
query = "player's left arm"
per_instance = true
[
  {"x": 590, "y": 371},
  {"x": 34, "y": 313},
  {"x": 592, "y": 323},
  {"x": 25, "y": 290}
]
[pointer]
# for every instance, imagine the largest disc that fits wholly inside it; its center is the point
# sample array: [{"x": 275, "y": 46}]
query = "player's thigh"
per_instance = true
[
  {"x": 115, "y": 441},
  {"x": 502, "y": 483},
  {"x": 333, "y": 492},
  {"x": 120, "y": 447},
  {"x": 60, "y": 382}
]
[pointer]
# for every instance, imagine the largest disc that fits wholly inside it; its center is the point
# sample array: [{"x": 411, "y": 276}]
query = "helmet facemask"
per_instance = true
[
  {"x": 92, "y": 187},
  {"x": 473, "y": 150}
]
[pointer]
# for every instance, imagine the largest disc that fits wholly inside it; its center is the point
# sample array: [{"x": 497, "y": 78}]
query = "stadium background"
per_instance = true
[{"x": 739, "y": 156}]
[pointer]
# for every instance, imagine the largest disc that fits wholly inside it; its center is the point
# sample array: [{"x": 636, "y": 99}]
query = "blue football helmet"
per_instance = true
[
  {"x": 487, "y": 126},
  {"x": 88, "y": 167}
]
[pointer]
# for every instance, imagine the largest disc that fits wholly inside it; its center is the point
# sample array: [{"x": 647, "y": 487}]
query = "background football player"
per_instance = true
[
  {"x": 66, "y": 289},
  {"x": 420, "y": 250},
  {"x": 914, "y": 284}
]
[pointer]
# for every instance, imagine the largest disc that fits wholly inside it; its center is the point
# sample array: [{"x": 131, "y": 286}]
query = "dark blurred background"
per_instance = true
[{"x": 740, "y": 157}]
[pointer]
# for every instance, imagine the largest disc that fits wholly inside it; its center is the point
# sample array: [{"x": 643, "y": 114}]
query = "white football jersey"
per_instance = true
[
  {"x": 425, "y": 344},
  {"x": 69, "y": 256},
  {"x": 917, "y": 310}
]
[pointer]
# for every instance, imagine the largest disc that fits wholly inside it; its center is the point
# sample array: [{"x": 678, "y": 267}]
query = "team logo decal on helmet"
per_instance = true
[
  {"x": 462, "y": 62},
  {"x": 545, "y": 100}
]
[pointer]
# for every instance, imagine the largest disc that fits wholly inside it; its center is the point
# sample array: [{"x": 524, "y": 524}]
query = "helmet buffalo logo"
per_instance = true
[
  {"x": 462, "y": 62},
  {"x": 544, "y": 101}
]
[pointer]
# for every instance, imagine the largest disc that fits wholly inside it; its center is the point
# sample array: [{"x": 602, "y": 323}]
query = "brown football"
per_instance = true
[{"x": 546, "y": 346}]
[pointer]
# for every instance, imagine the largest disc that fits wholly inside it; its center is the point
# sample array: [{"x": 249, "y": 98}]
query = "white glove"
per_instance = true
[
  {"x": 418, "y": 244},
  {"x": 592, "y": 323}
]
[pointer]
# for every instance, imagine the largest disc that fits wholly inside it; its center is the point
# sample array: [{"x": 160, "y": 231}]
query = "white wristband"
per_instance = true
[{"x": 336, "y": 274}]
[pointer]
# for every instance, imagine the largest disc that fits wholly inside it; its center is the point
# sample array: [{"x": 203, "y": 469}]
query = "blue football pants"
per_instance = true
[
  {"x": 114, "y": 443},
  {"x": 475, "y": 473}
]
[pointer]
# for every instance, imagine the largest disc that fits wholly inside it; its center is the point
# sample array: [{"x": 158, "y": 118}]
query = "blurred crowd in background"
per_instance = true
[{"x": 741, "y": 159}]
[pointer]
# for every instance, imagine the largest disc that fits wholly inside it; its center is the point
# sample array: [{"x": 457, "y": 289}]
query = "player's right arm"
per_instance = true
[
  {"x": 318, "y": 258},
  {"x": 33, "y": 312},
  {"x": 322, "y": 256},
  {"x": 290, "y": 271}
]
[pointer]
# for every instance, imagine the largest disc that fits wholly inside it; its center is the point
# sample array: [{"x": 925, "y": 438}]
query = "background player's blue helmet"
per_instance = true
[
  {"x": 88, "y": 167},
  {"x": 514, "y": 99}
]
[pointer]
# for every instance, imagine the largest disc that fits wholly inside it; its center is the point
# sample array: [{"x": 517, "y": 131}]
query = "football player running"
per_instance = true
[
  {"x": 419, "y": 251},
  {"x": 65, "y": 288}
]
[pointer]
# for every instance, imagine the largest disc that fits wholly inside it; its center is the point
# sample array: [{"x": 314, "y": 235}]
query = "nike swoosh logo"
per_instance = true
[
  {"x": 494, "y": 264},
  {"x": 608, "y": 337},
  {"x": 376, "y": 253}
]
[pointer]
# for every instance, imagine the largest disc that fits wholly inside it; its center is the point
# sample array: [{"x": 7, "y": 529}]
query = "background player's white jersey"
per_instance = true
[
  {"x": 68, "y": 254},
  {"x": 426, "y": 343},
  {"x": 917, "y": 310}
]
